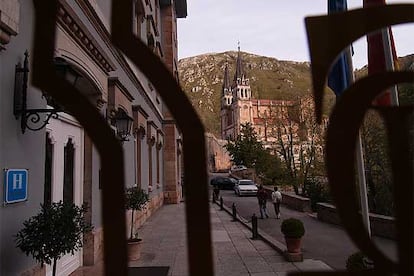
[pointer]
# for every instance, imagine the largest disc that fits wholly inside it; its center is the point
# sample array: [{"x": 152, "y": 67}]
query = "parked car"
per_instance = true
[
  {"x": 237, "y": 168},
  {"x": 223, "y": 182},
  {"x": 245, "y": 187}
]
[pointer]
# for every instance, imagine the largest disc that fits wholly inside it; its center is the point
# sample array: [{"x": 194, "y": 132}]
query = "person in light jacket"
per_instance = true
[{"x": 276, "y": 199}]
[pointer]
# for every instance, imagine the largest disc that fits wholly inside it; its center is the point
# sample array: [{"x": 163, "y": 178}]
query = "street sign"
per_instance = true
[{"x": 16, "y": 185}]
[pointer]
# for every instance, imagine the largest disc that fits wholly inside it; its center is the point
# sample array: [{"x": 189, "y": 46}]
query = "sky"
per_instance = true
[{"x": 273, "y": 28}]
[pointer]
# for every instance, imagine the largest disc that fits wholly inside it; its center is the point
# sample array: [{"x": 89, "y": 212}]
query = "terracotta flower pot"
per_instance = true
[
  {"x": 134, "y": 249},
  {"x": 293, "y": 244}
]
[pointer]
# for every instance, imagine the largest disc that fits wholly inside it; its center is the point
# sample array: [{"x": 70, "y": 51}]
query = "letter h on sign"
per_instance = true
[{"x": 16, "y": 185}]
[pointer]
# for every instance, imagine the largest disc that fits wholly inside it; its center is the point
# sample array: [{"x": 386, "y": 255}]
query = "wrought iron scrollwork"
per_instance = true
[{"x": 30, "y": 118}]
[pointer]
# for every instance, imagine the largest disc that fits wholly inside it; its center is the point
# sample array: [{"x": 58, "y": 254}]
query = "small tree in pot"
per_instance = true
[
  {"x": 57, "y": 230},
  {"x": 358, "y": 262},
  {"x": 293, "y": 230},
  {"x": 135, "y": 200}
]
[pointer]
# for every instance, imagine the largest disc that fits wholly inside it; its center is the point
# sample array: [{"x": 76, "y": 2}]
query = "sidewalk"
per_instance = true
[{"x": 164, "y": 244}]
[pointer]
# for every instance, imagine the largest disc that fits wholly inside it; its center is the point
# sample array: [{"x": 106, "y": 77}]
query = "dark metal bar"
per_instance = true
[
  {"x": 234, "y": 211},
  {"x": 255, "y": 234}
]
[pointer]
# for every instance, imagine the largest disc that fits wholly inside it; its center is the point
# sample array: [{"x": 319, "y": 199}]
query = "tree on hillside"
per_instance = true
[
  {"x": 299, "y": 140},
  {"x": 247, "y": 150},
  {"x": 377, "y": 165},
  {"x": 268, "y": 167},
  {"x": 246, "y": 147}
]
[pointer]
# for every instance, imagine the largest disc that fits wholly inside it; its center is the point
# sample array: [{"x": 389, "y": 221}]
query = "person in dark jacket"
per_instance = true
[
  {"x": 262, "y": 198},
  {"x": 216, "y": 192}
]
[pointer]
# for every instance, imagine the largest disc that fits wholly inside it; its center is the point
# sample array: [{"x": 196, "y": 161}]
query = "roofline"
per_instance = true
[{"x": 181, "y": 8}]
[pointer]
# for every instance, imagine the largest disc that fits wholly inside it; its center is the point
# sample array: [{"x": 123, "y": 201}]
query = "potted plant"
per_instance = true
[
  {"x": 358, "y": 262},
  {"x": 293, "y": 230},
  {"x": 56, "y": 231},
  {"x": 135, "y": 200}
]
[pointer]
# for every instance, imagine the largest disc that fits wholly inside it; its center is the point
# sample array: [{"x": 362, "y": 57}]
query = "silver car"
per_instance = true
[{"x": 245, "y": 187}]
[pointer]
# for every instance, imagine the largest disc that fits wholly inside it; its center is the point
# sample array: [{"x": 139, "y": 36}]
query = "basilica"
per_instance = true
[{"x": 238, "y": 107}]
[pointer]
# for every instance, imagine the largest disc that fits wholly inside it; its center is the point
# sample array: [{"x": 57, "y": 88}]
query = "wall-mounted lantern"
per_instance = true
[
  {"x": 123, "y": 124},
  {"x": 32, "y": 118}
]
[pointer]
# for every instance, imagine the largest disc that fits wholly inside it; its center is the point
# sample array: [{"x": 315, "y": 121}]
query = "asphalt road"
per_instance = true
[{"x": 322, "y": 241}]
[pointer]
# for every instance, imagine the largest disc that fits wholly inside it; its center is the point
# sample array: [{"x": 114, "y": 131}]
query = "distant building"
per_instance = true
[
  {"x": 238, "y": 107},
  {"x": 287, "y": 128}
]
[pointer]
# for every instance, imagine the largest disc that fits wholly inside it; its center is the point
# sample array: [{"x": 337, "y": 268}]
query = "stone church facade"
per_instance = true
[
  {"x": 285, "y": 127},
  {"x": 238, "y": 107}
]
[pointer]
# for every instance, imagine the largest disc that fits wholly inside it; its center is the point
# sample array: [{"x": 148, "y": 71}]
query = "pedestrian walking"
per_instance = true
[
  {"x": 262, "y": 198},
  {"x": 276, "y": 199},
  {"x": 216, "y": 192}
]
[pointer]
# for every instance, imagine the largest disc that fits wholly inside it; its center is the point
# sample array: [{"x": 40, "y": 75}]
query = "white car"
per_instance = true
[
  {"x": 237, "y": 168},
  {"x": 245, "y": 187}
]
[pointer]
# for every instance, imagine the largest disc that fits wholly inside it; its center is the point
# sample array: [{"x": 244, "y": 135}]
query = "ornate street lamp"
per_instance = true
[
  {"x": 36, "y": 119},
  {"x": 123, "y": 124}
]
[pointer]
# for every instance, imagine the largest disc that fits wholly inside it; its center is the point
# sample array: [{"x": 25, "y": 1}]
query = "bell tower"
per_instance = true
[
  {"x": 226, "y": 112},
  {"x": 242, "y": 94}
]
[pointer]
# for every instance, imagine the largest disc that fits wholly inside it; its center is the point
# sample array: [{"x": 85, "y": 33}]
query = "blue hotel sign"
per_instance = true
[{"x": 16, "y": 185}]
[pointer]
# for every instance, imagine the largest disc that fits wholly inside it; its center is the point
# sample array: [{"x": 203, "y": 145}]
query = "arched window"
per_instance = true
[
  {"x": 68, "y": 171},
  {"x": 47, "y": 195}
]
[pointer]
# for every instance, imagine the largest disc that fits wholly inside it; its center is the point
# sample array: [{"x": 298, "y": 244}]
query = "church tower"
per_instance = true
[
  {"x": 242, "y": 94},
  {"x": 226, "y": 112},
  {"x": 236, "y": 105}
]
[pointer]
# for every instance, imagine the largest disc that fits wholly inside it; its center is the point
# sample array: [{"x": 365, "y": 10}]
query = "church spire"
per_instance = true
[
  {"x": 239, "y": 66},
  {"x": 226, "y": 78}
]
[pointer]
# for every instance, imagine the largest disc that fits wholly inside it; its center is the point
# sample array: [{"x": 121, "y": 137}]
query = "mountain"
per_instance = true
[{"x": 201, "y": 77}]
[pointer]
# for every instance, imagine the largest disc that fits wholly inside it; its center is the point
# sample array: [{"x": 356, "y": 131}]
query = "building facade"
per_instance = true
[
  {"x": 57, "y": 157},
  {"x": 286, "y": 127},
  {"x": 238, "y": 107}
]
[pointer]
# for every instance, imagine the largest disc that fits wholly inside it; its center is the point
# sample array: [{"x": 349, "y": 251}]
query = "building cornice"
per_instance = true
[
  {"x": 139, "y": 109},
  {"x": 9, "y": 21},
  {"x": 180, "y": 8},
  {"x": 106, "y": 37},
  {"x": 73, "y": 26},
  {"x": 152, "y": 123},
  {"x": 125, "y": 92},
  {"x": 154, "y": 27}
]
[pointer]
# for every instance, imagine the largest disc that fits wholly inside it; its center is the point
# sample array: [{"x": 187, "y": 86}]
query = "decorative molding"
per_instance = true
[
  {"x": 104, "y": 34},
  {"x": 169, "y": 122},
  {"x": 115, "y": 81},
  {"x": 151, "y": 141},
  {"x": 140, "y": 110},
  {"x": 154, "y": 26},
  {"x": 159, "y": 145},
  {"x": 100, "y": 103},
  {"x": 74, "y": 28},
  {"x": 9, "y": 21},
  {"x": 140, "y": 131},
  {"x": 159, "y": 46}
]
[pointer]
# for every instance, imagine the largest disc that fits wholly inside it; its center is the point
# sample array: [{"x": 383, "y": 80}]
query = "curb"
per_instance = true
[
  {"x": 273, "y": 243},
  {"x": 276, "y": 245}
]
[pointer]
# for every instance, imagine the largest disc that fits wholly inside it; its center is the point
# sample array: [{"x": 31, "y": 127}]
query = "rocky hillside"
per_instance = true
[{"x": 202, "y": 76}]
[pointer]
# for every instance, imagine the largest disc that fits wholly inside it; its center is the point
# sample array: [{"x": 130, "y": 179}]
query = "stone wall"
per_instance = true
[
  {"x": 383, "y": 226},
  {"x": 296, "y": 202},
  {"x": 293, "y": 201},
  {"x": 218, "y": 157}
]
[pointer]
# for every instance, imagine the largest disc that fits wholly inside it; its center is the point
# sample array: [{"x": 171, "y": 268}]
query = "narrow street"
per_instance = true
[{"x": 326, "y": 242}]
